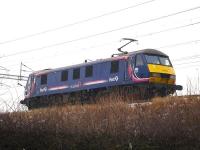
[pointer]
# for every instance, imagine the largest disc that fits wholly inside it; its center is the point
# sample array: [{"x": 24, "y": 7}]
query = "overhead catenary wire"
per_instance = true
[
  {"x": 186, "y": 63},
  {"x": 187, "y": 58},
  {"x": 188, "y": 66},
  {"x": 47, "y": 57},
  {"x": 8, "y": 86},
  {"x": 143, "y": 35},
  {"x": 3, "y": 68},
  {"x": 150, "y": 34},
  {"x": 10, "y": 78},
  {"x": 169, "y": 29},
  {"x": 102, "y": 33},
  {"x": 3, "y": 74},
  {"x": 77, "y": 22},
  {"x": 166, "y": 46},
  {"x": 178, "y": 44}
]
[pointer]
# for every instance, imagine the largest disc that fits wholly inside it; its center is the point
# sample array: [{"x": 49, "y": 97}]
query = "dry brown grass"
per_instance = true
[{"x": 169, "y": 123}]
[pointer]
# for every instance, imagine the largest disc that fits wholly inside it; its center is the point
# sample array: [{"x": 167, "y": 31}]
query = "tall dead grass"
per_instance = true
[{"x": 169, "y": 123}]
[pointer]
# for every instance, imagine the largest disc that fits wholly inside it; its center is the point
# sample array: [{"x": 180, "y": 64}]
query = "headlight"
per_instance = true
[
  {"x": 172, "y": 77},
  {"x": 156, "y": 75}
]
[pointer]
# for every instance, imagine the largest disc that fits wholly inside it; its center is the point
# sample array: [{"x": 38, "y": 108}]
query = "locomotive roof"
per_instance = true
[
  {"x": 123, "y": 56},
  {"x": 149, "y": 51}
]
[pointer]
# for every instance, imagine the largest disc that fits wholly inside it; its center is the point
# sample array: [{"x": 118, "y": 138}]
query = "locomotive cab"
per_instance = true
[
  {"x": 160, "y": 69},
  {"x": 154, "y": 70}
]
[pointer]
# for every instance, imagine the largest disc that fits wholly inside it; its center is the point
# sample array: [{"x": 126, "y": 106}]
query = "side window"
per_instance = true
[
  {"x": 43, "y": 79},
  {"x": 76, "y": 73},
  {"x": 114, "y": 67},
  {"x": 139, "y": 61},
  {"x": 89, "y": 71},
  {"x": 64, "y": 75}
]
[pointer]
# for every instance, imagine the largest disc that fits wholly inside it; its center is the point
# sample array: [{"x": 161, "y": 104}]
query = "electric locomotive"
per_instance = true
[{"x": 148, "y": 71}]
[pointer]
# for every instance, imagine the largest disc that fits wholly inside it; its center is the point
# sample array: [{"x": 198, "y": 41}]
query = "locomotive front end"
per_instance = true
[
  {"x": 160, "y": 69},
  {"x": 162, "y": 77}
]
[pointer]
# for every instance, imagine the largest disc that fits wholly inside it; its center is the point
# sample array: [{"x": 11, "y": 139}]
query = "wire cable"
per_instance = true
[
  {"x": 167, "y": 46},
  {"x": 178, "y": 44},
  {"x": 186, "y": 63},
  {"x": 185, "y": 67},
  {"x": 169, "y": 29},
  {"x": 187, "y": 58},
  {"x": 144, "y": 35},
  {"x": 102, "y": 33},
  {"x": 76, "y": 23}
]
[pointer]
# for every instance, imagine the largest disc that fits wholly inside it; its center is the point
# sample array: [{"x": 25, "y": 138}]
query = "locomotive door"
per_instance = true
[
  {"x": 29, "y": 86},
  {"x": 139, "y": 67}
]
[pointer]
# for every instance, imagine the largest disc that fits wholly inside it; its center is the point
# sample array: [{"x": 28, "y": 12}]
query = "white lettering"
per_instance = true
[
  {"x": 114, "y": 79},
  {"x": 44, "y": 89}
]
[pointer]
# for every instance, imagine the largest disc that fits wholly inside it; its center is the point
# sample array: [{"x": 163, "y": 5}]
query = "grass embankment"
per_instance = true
[{"x": 170, "y": 123}]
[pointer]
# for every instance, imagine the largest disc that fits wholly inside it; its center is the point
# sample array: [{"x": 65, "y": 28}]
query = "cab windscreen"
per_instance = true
[{"x": 157, "y": 60}]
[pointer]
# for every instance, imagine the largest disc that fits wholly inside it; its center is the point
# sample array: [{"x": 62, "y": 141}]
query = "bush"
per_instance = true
[{"x": 169, "y": 123}]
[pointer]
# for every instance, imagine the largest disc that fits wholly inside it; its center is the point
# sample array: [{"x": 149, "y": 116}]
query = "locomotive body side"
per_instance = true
[
  {"x": 148, "y": 70},
  {"x": 103, "y": 74}
]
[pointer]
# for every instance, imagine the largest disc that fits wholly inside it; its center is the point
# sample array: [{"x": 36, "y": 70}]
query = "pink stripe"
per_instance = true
[
  {"x": 95, "y": 82},
  {"x": 134, "y": 77},
  {"x": 58, "y": 88}
]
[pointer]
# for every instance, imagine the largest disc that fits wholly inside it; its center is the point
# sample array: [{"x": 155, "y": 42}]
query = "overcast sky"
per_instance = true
[{"x": 56, "y": 33}]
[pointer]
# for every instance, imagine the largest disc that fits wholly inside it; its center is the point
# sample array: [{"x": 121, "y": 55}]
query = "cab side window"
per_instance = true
[
  {"x": 88, "y": 71},
  {"x": 139, "y": 61},
  {"x": 76, "y": 73},
  {"x": 43, "y": 79},
  {"x": 114, "y": 67},
  {"x": 64, "y": 75}
]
